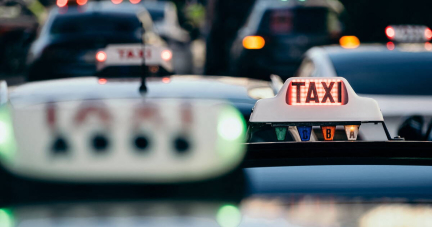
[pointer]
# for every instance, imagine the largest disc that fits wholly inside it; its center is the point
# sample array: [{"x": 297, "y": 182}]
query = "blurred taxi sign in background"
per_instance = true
[
  {"x": 122, "y": 140},
  {"x": 308, "y": 102},
  {"x": 408, "y": 33},
  {"x": 128, "y": 56}
]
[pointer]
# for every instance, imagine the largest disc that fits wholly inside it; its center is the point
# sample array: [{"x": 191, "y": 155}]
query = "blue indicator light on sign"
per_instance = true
[{"x": 304, "y": 132}]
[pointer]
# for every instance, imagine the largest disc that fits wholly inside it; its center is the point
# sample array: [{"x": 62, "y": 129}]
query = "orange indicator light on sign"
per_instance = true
[{"x": 328, "y": 132}]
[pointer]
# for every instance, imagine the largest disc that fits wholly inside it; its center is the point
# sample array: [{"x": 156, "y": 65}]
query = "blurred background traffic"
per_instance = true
[{"x": 207, "y": 35}]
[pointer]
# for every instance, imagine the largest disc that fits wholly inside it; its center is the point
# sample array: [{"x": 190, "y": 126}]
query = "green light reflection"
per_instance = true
[
  {"x": 6, "y": 218},
  {"x": 231, "y": 129},
  {"x": 228, "y": 216},
  {"x": 8, "y": 145}
]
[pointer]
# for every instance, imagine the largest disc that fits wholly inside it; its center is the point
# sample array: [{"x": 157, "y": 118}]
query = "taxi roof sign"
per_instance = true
[
  {"x": 408, "y": 33},
  {"x": 313, "y": 99}
]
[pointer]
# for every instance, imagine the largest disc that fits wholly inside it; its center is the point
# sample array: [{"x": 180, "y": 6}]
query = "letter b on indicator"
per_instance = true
[{"x": 328, "y": 132}]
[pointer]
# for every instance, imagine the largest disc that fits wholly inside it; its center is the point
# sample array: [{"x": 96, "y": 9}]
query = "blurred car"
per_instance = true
[
  {"x": 67, "y": 43},
  {"x": 18, "y": 25},
  {"x": 166, "y": 24},
  {"x": 278, "y": 33},
  {"x": 165, "y": 19},
  {"x": 134, "y": 60},
  {"x": 241, "y": 92},
  {"x": 346, "y": 183},
  {"x": 397, "y": 76}
]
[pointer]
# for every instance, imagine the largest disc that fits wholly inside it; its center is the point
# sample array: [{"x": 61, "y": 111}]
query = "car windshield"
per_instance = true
[
  {"x": 299, "y": 20},
  {"x": 70, "y": 24},
  {"x": 157, "y": 14},
  {"x": 402, "y": 73}
]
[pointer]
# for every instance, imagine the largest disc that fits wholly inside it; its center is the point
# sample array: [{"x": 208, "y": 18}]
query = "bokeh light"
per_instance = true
[
  {"x": 349, "y": 42},
  {"x": 166, "y": 55},
  {"x": 390, "y": 46},
  {"x": 135, "y": 1},
  {"x": 6, "y": 218},
  {"x": 7, "y": 139},
  {"x": 230, "y": 126},
  {"x": 81, "y": 2},
  {"x": 102, "y": 81},
  {"x": 116, "y": 1},
  {"x": 228, "y": 216},
  {"x": 166, "y": 80},
  {"x": 253, "y": 42},
  {"x": 62, "y": 3},
  {"x": 101, "y": 56},
  {"x": 428, "y": 46}
]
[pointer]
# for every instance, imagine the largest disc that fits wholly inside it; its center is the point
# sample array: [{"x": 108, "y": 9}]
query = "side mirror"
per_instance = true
[{"x": 411, "y": 128}]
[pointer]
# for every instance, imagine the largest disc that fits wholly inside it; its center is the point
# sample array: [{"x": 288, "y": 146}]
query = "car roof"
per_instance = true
[
  {"x": 277, "y": 4},
  {"x": 375, "y": 48},
  {"x": 348, "y": 180},
  {"x": 213, "y": 87}
]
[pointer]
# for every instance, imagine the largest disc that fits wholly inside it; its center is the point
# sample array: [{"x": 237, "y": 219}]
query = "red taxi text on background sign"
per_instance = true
[{"x": 133, "y": 53}]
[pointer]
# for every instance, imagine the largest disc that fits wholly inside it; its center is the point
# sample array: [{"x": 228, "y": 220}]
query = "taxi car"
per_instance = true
[
  {"x": 305, "y": 182},
  {"x": 71, "y": 36},
  {"x": 395, "y": 74},
  {"x": 287, "y": 183},
  {"x": 121, "y": 60},
  {"x": 278, "y": 33}
]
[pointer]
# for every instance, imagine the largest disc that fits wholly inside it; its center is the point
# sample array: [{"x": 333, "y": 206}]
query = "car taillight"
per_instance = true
[
  {"x": 101, "y": 56},
  {"x": 62, "y": 3},
  {"x": 166, "y": 55},
  {"x": 390, "y": 32},
  {"x": 428, "y": 34},
  {"x": 253, "y": 42},
  {"x": 81, "y": 2}
]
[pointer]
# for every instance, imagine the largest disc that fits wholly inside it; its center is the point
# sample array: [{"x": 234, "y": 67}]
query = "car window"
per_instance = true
[
  {"x": 94, "y": 24},
  {"x": 157, "y": 15},
  {"x": 310, "y": 20},
  {"x": 403, "y": 73}
]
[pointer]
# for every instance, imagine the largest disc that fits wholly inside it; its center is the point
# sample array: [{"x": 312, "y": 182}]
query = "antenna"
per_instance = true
[{"x": 144, "y": 74}]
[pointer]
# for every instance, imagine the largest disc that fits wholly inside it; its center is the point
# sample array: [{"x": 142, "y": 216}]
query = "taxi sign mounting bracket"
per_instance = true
[{"x": 254, "y": 127}]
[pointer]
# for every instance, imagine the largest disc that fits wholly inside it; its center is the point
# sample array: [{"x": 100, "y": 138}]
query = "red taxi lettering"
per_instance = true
[
  {"x": 133, "y": 53},
  {"x": 316, "y": 92},
  {"x": 97, "y": 109}
]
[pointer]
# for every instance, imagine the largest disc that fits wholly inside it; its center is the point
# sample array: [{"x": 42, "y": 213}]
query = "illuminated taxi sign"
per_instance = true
[
  {"x": 408, "y": 33},
  {"x": 122, "y": 140},
  {"x": 134, "y": 55},
  {"x": 307, "y": 102},
  {"x": 316, "y": 92},
  {"x": 287, "y": 106}
]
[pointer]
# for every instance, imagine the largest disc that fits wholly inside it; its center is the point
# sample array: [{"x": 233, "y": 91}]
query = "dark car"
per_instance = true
[
  {"x": 277, "y": 34},
  {"x": 71, "y": 36}
]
